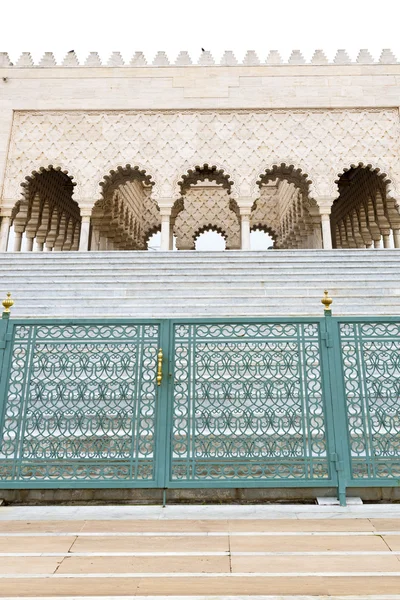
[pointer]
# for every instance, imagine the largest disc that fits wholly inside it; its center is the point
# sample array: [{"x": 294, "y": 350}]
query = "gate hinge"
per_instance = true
[
  {"x": 328, "y": 339},
  {"x": 338, "y": 463}
]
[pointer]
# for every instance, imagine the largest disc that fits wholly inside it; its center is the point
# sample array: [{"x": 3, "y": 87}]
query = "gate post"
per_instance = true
[{"x": 339, "y": 425}]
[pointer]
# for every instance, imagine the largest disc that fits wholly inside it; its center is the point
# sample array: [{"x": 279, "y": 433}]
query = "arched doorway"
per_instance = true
[
  {"x": 261, "y": 238},
  {"x": 126, "y": 216},
  {"x": 205, "y": 205},
  {"x": 46, "y": 218},
  {"x": 210, "y": 239},
  {"x": 285, "y": 209},
  {"x": 364, "y": 216}
]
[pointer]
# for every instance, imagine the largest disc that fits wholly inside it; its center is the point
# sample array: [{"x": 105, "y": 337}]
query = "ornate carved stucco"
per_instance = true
[
  {"x": 206, "y": 207},
  {"x": 167, "y": 144},
  {"x": 265, "y": 213},
  {"x": 126, "y": 214}
]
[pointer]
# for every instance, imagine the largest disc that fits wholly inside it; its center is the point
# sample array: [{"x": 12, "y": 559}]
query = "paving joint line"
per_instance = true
[
  {"x": 175, "y": 575},
  {"x": 201, "y": 534}
]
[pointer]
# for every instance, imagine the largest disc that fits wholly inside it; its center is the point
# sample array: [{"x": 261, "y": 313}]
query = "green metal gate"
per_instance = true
[
  {"x": 249, "y": 404},
  {"x": 290, "y": 402},
  {"x": 80, "y": 404},
  {"x": 368, "y": 353}
]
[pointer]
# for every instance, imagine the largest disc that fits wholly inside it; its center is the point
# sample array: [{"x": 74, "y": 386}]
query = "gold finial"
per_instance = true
[
  {"x": 8, "y": 303},
  {"x": 326, "y": 301}
]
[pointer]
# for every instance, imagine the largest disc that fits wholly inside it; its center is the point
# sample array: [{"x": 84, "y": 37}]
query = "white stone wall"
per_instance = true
[{"x": 168, "y": 119}]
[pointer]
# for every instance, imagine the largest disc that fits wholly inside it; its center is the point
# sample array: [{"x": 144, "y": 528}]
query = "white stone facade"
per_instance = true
[{"x": 110, "y": 154}]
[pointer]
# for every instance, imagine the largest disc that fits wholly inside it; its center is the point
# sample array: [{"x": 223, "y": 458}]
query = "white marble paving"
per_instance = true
[
  {"x": 380, "y": 597},
  {"x": 194, "y": 512}
]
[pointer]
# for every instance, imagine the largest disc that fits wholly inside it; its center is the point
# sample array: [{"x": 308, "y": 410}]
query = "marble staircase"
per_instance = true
[{"x": 201, "y": 284}]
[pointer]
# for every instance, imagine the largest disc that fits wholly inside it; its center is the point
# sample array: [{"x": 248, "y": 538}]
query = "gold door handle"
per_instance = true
[{"x": 159, "y": 366}]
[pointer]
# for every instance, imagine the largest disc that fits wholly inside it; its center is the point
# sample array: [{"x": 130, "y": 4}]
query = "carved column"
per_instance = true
[
  {"x": 245, "y": 229},
  {"x": 4, "y": 233},
  {"x": 165, "y": 231},
  {"x": 382, "y": 221},
  {"x": 43, "y": 228},
  {"x": 20, "y": 222},
  {"x": 68, "y": 236},
  {"x": 33, "y": 223},
  {"x": 17, "y": 241},
  {"x": 75, "y": 242},
  {"x": 386, "y": 238},
  {"x": 165, "y": 205},
  {"x": 373, "y": 223},
  {"x": 313, "y": 226},
  {"x": 95, "y": 239},
  {"x": 84, "y": 234},
  {"x": 245, "y": 204},
  {"x": 326, "y": 231},
  {"x": 325, "y": 206},
  {"x": 62, "y": 231},
  {"x": 53, "y": 231},
  {"x": 396, "y": 238}
]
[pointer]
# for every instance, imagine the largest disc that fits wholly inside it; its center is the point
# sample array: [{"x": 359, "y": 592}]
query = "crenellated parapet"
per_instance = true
[{"x": 205, "y": 59}]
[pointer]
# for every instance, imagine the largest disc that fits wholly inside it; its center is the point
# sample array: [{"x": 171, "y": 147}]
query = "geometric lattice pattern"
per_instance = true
[
  {"x": 80, "y": 404},
  {"x": 244, "y": 143},
  {"x": 248, "y": 403},
  {"x": 371, "y": 369}
]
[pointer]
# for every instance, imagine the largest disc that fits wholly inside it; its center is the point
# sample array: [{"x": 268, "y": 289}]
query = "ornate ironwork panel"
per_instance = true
[
  {"x": 248, "y": 403},
  {"x": 370, "y": 357},
  {"x": 80, "y": 404}
]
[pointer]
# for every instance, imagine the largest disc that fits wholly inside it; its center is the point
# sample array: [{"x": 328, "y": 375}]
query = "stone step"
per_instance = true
[
  {"x": 172, "y": 293},
  {"x": 380, "y": 277},
  {"x": 188, "y": 270},
  {"x": 230, "y": 257},
  {"x": 191, "y": 284}
]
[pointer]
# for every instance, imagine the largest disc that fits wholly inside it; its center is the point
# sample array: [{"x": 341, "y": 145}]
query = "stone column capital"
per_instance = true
[
  {"x": 245, "y": 204},
  {"x": 165, "y": 212},
  {"x": 325, "y": 204},
  {"x": 165, "y": 205}
]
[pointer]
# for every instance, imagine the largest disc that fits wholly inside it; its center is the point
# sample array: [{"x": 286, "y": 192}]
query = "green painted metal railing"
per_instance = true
[{"x": 290, "y": 402}]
